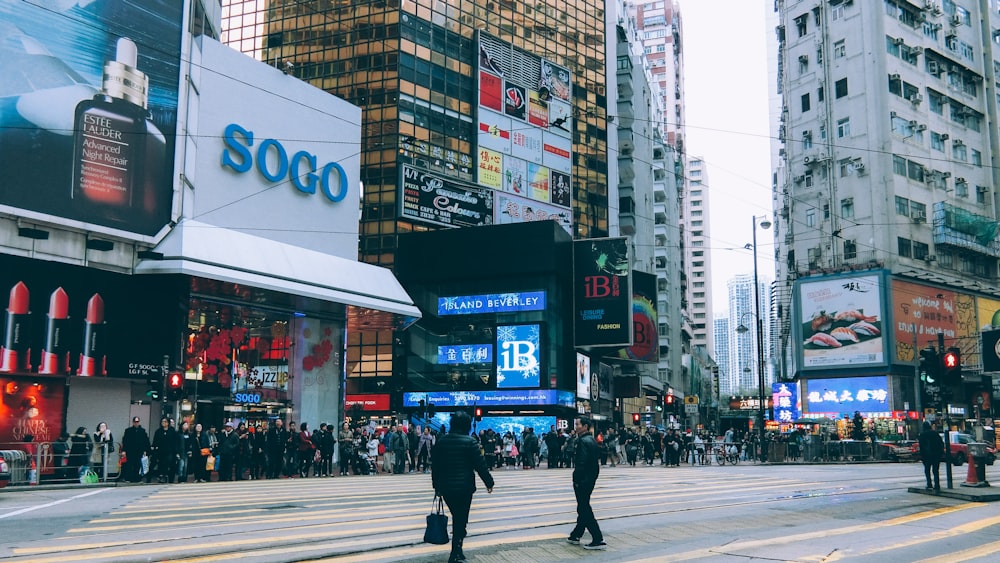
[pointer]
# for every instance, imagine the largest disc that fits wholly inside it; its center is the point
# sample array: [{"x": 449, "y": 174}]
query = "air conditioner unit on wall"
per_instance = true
[
  {"x": 894, "y": 76},
  {"x": 916, "y": 98}
]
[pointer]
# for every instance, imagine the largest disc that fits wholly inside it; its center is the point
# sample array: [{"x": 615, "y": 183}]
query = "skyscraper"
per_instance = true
[
  {"x": 422, "y": 71},
  {"x": 722, "y": 337},
  {"x": 743, "y": 368},
  {"x": 697, "y": 226}
]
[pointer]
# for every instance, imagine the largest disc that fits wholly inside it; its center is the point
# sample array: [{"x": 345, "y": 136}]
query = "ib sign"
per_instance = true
[
  {"x": 274, "y": 164},
  {"x": 518, "y": 356}
]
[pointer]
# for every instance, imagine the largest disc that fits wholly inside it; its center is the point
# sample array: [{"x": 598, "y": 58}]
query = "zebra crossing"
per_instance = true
[{"x": 527, "y": 516}]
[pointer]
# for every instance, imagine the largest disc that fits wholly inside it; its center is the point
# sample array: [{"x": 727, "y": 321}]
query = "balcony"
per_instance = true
[
  {"x": 626, "y": 222},
  {"x": 626, "y": 113},
  {"x": 660, "y": 212},
  {"x": 958, "y": 228}
]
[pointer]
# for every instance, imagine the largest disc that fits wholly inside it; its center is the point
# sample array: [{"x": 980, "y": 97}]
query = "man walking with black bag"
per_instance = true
[
  {"x": 456, "y": 455},
  {"x": 587, "y": 467}
]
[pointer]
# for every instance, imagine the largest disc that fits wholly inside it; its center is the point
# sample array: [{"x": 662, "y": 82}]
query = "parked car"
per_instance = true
[{"x": 903, "y": 450}]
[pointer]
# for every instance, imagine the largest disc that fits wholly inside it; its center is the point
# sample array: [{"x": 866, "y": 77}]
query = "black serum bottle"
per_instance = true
[{"x": 118, "y": 152}]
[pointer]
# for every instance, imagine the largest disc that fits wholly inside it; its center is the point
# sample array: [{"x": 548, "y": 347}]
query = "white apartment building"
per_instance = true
[
  {"x": 723, "y": 333},
  {"x": 888, "y": 141},
  {"x": 697, "y": 226},
  {"x": 741, "y": 377}
]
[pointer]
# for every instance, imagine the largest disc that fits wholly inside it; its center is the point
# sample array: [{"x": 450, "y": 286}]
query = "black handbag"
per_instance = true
[{"x": 437, "y": 523}]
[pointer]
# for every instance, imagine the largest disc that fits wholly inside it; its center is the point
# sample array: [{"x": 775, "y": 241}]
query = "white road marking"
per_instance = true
[{"x": 48, "y": 504}]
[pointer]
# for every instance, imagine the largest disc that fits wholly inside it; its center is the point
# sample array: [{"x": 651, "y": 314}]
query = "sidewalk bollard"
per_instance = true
[{"x": 971, "y": 480}]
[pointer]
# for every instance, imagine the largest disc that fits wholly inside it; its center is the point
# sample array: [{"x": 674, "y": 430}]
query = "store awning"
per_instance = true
[{"x": 198, "y": 249}]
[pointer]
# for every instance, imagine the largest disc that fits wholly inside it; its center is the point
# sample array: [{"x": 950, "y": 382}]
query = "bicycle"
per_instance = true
[{"x": 724, "y": 454}]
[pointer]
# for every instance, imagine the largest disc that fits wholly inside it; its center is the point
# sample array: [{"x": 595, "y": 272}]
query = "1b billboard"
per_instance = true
[{"x": 602, "y": 307}]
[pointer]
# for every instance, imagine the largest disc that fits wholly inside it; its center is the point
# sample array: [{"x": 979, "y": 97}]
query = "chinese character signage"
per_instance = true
[
  {"x": 847, "y": 394},
  {"x": 466, "y": 354},
  {"x": 515, "y": 209},
  {"x": 446, "y": 399},
  {"x": 785, "y": 398},
  {"x": 519, "y": 356},
  {"x": 492, "y": 303},
  {"x": 431, "y": 199},
  {"x": 840, "y": 321},
  {"x": 490, "y": 168},
  {"x": 602, "y": 292}
]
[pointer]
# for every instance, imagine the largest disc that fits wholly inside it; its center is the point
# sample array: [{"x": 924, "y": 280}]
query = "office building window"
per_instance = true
[{"x": 840, "y": 88}]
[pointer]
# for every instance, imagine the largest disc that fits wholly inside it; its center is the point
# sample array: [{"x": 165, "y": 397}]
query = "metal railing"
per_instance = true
[{"x": 32, "y": 463}]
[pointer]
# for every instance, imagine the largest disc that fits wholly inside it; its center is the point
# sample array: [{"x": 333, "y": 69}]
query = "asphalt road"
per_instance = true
[{"x": 807, "y": 513}]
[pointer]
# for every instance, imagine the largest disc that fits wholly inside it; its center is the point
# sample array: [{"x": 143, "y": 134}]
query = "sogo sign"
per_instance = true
[{"x": 274, "y": 164}]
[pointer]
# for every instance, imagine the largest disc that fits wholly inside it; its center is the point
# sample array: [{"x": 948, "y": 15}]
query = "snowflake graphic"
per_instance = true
[
  {"x": 506, "y": 333},
  {"x": 530, "y": 372},
  {"x": 500, "y": 378}
]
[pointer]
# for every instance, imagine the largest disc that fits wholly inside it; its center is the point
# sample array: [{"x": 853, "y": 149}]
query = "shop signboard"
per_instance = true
[
  {"x": 275, "y": 174},
  {"x": 528, "y": 397},
  {"x": 519, "y": 356},
  {"x": 89, "y": 114},
  {"x": 846, "y": 395},
  {"x": 602, "y": 292},
  {"x": 582, "y": 376},
  {"x": 431, "y": 199},
  {"x": 785, "y": 398},
  {"x": 605, "y": 374},
  {"x": 840, "y": 321},
  {"x": 645, "y": 337},
  {"x": 464, "y": 354},
  {"x": 512, "y": 302},
  {"x": 368, "y": 401},
  {"x": 510, "y": 208}
]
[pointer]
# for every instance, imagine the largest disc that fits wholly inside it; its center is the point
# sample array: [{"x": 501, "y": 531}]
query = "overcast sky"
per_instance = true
[{"x": 726, "y": 91}]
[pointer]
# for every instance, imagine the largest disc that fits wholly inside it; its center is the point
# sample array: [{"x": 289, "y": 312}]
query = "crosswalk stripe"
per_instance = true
[
  {"x": 959, "y": 530},
  {"x": 978, "y": 552}
]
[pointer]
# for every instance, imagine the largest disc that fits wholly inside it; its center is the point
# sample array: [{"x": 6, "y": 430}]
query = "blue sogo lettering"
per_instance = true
[{"x": 302, "y": 169}]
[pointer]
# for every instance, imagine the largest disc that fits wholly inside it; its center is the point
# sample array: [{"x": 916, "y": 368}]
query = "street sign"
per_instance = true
[
  {"x": 691, "y": 408},
  {"x": 691, "y": 400}
]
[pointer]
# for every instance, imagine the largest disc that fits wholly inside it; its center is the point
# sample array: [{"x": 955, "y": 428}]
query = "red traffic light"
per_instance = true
[
  {"x": 479, "y": 414},
  {"x": 670, "y": 399},
  {"x": 951, "y": 360},
  {"x": 175, "y": 380},
  {"x": 635, "y": 418}
]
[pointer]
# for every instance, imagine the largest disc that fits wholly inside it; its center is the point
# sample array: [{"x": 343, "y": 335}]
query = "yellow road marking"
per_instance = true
[
  {"x": 966, "y": 528},
  {"x": 966, "y": 554}
]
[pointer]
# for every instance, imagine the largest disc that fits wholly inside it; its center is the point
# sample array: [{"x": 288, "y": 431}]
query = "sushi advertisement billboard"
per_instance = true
[{"x": 839, "y": 321}]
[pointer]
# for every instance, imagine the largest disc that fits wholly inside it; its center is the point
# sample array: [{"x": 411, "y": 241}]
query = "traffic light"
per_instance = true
[
  {"x": 929, "y": 365},
  {"x": 175, "y": 385},
  {"x": 669, "y": 402},
  {"x": 155, "y": 379},
  {"x": 951, "y": 366},
  {"x": 479, "y": 414},
  {"x": 635, "y": 418}
]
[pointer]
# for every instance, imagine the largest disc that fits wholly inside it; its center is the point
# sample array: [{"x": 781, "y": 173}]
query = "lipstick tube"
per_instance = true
[
  {"x": 15, "y": 355},
  {"x": 92, "y": 359},
  {"x": 55, "y": 355}
]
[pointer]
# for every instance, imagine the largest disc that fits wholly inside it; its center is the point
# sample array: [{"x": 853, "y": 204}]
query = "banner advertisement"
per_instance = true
[
  {"x": 513, "y": 209},
  {"x": 602, "y": 292},
  {"x": 90, "y": 110},
  {"x": 494, "y": 131},
  {"x": 847, "y": 395},
  {"x": 490, "y": 91},
  {"x": 445, "y": 399},
  {"x": 526, "y": 144},
  {"x": 582, "y": 376},
  {"x": 645, "y": 337},
  {"x": 431, "y": 199},
  {"x": 840, "y": 321},
  {"x": 920, "y": 312},
  {"x": 463, "y": 354},
  {"x": 785, "y": 397},
  {"x": 519, "y": 356}
]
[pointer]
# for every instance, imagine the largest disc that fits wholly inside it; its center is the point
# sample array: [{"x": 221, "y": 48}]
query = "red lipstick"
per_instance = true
[
  {"x": 92, "y": 360},
  {"x": 15, "y": 355},
  {"x": 55, "y": 355}
]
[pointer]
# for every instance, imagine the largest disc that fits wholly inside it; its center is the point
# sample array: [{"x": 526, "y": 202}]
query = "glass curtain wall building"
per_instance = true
[{"x": 412, "y": 66}]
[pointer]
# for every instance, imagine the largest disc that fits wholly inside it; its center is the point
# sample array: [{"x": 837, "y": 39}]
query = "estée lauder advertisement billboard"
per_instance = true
[{"x": 88, "y": 110}]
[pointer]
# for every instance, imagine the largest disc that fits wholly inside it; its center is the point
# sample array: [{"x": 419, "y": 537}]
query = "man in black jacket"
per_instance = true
[
  {"x": 931, "y": 453},
  {"x": 587, "y": 467},
  {"x": 135, "y": 443},
  {"x": 274, "y": 448},
  {"x": 456, "y": 455}
]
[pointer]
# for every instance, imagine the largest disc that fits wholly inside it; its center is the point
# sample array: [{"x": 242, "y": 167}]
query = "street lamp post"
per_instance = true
[{"x": 764, "y": 224}]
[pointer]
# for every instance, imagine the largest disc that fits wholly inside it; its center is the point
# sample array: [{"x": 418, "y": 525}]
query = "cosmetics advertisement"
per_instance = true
[
  {"x": 88, "y": 109},
  {"x": 61, "y": 320}
]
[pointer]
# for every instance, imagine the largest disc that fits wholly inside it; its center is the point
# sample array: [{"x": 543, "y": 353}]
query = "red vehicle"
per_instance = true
[{"x": 960, "y": 448}]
